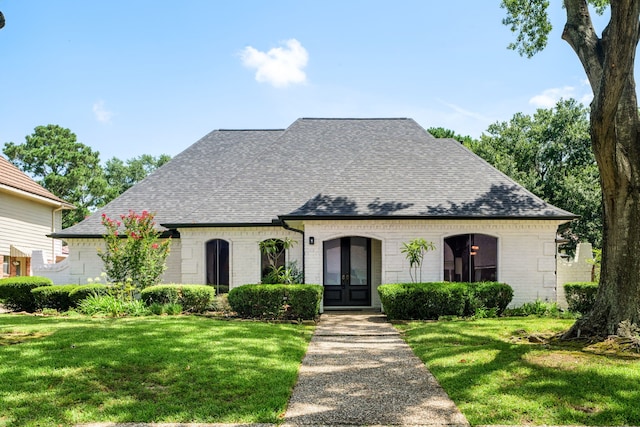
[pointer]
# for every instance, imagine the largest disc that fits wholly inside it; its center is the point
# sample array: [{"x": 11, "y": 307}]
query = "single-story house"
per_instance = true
[
  {"x": 28, "y": 213},
  {"x": 349, "y": 192}
]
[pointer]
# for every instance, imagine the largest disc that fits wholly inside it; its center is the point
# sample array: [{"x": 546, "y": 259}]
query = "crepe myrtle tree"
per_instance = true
[
  {"x": 608, "y": 60},
  {"x": 135, "y": 255}
]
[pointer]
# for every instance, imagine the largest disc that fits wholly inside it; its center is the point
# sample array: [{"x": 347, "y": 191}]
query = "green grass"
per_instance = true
[
  {"x": 62, "y": 371},
  {"x": 496, "y": 376}
]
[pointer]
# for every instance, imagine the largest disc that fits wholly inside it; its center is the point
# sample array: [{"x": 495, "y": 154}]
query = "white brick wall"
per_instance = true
[
  {"x": 83, "y": 263},
  {"x": 574, "y": 270},
  {"x": 526, "y": 252},
  {"x": 244, "y": 252}
]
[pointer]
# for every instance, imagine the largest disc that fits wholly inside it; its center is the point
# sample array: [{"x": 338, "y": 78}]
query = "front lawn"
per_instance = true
[
  {"x": 62, "y": 371},
  {"x": 508, "y": 371}
]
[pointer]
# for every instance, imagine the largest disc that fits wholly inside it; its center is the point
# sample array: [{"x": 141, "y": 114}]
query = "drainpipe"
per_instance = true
[{"x": 287, "y": 227}]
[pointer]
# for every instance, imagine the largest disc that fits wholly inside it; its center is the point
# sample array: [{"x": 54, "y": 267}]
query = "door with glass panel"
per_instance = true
[{"x": 347, "y": 272}]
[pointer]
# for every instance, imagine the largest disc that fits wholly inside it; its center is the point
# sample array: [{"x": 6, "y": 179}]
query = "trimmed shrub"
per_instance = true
[
  {"x": 55, "y": 297},
  {"x": 16, "y": 291},
  {"x": 423, "y": 300},
  {"x": 192, "y": 298},
  {"x": 83, "y": 291},
  {"x": 277, "y": 301},
  {"x": 581, "y": 296},
  {"x": 488, "y": 295}
]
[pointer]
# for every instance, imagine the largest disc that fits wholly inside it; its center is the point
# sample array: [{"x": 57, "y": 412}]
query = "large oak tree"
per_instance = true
[{"x": 608, "y": 61}]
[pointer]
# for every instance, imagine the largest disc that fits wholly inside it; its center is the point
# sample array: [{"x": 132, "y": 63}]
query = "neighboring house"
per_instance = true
[
  {"x": 28, "y": 213},
  {"x": 349, "y": 192}
]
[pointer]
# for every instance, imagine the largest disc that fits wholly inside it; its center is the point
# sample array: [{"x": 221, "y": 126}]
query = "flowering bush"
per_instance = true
[{"x": 138, "y": 256}]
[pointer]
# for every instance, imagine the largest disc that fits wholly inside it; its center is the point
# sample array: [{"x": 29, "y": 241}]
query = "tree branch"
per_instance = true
[{"x": 581, "y": 36}]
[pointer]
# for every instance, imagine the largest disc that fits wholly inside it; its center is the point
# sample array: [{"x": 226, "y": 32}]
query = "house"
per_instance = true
[
  {"x": 349, "y": 192},
  {"x": 28, "y": 213}
]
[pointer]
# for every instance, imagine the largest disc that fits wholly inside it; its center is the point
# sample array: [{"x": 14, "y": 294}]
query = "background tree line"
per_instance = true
[
  {"x": 549, "y": 153},
  {"x": 72, "y": 171}
]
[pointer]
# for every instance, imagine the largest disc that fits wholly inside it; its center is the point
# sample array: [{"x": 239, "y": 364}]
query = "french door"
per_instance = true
[{"x": 347, "y": 272}]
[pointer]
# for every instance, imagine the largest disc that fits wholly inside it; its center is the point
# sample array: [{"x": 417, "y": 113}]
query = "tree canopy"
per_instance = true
[
  {"x": 550, "y": 154},
  {"x": 72, "y": 171}
]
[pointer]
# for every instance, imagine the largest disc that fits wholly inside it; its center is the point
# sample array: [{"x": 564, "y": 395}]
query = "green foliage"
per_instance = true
[
  {"x": 191, "y": 298},
  {"x": 121, "y": 176},
  {"x": 83, "y": 291},
  {"x": 111, "y": 306},
  {"x": 62, "y": 165},
  {"x": 72, "y": 171},
  {"x": 581, "y": 296},
  {"x": 488, "y": 296},
  {"x": 423, "y": 300},
  {"x": 15, "y": 292},
  {"x": 275, "y": 249},
  {"x": 550, "y": 154},
  {"x": 529, "y": 20},
  {"x": 276, "y": 301},
  {"x": 56, "y": 297},
  {"x": 137, "y": 258},
  {"x": 537, "y": 308},
  {"x": 441, "y": 132},
  {"x": 414, "y": 252},
  {"x": 434, "y": 300}
]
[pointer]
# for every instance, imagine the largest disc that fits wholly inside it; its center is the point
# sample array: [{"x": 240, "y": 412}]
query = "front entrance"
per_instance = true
[{"x": 347, "y": 272}]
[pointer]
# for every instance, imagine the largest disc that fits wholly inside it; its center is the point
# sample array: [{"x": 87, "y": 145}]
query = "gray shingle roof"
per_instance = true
[{"x": 324, "y": 168}]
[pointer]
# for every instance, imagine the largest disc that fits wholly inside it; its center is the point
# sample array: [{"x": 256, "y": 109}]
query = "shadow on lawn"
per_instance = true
[
  {"x": 502, "y": 381},
  {"x": 181, "y": 369}
]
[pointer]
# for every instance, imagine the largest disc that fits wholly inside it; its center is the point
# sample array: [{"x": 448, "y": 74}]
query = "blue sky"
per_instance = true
[{"x": 153, "y": 76}]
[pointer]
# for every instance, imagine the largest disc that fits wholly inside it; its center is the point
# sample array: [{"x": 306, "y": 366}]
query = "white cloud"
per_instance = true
[
  {"x": 279, "y": 66},
  {"x": 101, "y": 113},
  {"x": 550, "y": 97}
]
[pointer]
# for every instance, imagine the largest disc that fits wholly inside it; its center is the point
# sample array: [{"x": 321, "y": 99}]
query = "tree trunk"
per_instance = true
[{"x": 615, "y": 138}]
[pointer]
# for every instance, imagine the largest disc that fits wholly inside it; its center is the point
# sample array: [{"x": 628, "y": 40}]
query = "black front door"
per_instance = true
[{"x": 347, "y": 272}]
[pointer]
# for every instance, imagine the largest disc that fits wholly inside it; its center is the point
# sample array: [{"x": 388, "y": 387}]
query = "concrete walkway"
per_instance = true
[{"x": 358, "y": 371}]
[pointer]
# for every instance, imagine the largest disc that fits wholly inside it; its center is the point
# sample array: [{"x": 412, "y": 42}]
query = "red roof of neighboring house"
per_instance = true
[{"x": 13, "y": 177}]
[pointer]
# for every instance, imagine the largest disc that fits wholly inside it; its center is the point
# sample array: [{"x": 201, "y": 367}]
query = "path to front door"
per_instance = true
[{"x": 358, "y": 371}]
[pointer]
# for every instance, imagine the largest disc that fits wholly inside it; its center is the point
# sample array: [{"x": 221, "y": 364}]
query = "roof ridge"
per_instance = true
[
  {"x": 354, "y": 118},
  {"x": 249, "y": 130}
]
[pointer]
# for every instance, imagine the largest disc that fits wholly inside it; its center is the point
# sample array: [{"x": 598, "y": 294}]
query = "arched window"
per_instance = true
[
  {"x": 470, "y": 258},
  {"x": 273, "y": 256},
  {"x": 218, "y": 265}
]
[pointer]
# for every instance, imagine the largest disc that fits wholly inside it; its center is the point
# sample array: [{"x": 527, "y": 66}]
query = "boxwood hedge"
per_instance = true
[
  {"x": 192, "y": 298},
  {"x": 15, "y": 292},
  {"x": 580, "y": 296},
  {"x": 434, "y": 299},
  {"x": 55, "y": 297},
  {"x": 277, "y": 301},
  {"x": 83, "y": 291}
]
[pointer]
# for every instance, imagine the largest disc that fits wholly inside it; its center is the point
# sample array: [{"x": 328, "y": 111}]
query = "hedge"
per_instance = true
[
  {"x": 488, "y": 295},
  {"x": 83, "y": 291},
  {"x": 277, "y": 301},
  {"x": 434, "y": 299},
  {"x": 192, "y": 298},
  {"x": 423, "y": 300},
  {"x": 580, "y": 296},
  {"x": 55, "y": 297},
  {"x": 16, "y": 291}
]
